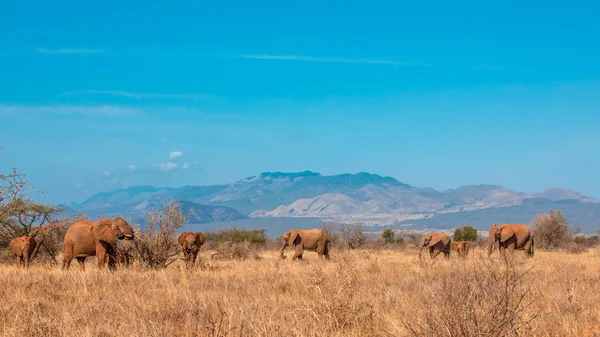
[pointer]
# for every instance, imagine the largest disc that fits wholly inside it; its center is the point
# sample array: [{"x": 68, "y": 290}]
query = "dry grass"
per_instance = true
[{"x": 357, "y": 293}]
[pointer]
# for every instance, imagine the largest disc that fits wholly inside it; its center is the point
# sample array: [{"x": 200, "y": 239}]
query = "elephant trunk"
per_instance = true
[
  {"x": 281, "y": 251},
  {"x": 26, "y": 256},
  {"x": 490, "y": 245}
]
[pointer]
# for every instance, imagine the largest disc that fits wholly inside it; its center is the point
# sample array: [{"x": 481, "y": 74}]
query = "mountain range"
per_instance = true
[{"x": 361, "y": 197}]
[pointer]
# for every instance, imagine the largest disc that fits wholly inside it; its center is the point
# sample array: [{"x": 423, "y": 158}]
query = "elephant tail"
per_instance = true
[{"x": 532, "y": 245}]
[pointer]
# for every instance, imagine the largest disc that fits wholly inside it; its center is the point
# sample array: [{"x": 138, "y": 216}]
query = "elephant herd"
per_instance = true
[
  {"x": 86, "y": 238},
  {"x": 509, "y": 236}
]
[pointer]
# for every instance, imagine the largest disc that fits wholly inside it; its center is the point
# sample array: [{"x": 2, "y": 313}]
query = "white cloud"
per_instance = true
[
  {"x": 69, "y": 51},
  {"x": 175, "y": 154},
  {"x": 70, "y": 109},
  {"x": 332, "y": 60},
  {"x": 131, "y": 167},
  {"x": 106, "y": 173},
  {"x": 167, "y": 166},
  {"x": 129, "y": 94},
  {"x": 185, "y": 165}
]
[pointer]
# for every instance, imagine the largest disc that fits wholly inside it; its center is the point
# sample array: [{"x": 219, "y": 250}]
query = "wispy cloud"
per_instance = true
[
  {"x": 69, "y": 51},
  {"x": 167, "y": 166},
  {"x": 20, "y": 110},
  {"x": 304, "y": 58},
  {"x": 129, "y": 94},
  {"x": 131, "y": 167},
  {"x": 175, "y": 154}
]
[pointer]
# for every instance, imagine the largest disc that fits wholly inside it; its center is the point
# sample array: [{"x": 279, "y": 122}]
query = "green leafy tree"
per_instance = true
[
  {"x": 465, "y": 233},
  {"x": 388, "y": 235}
]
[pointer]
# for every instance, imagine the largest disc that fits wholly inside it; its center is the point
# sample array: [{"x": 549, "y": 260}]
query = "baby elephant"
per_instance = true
[
  {"x": 461, "y": 247},
  {"x": 190, "y": 244},
  {"x": 23, "y": 248}
]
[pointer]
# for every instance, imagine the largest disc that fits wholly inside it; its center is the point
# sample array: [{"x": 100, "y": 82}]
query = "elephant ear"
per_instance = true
[
  {"x": 506, "y": 233},
  {"x": 468, "y": 244},
  {"x": 434, "y": 240},
  {"x": 103, "y": 231},
  {"x": 294, "y": 238},
  {"x": 181, "y": 240},
  {"x": 200, "y": 238}
]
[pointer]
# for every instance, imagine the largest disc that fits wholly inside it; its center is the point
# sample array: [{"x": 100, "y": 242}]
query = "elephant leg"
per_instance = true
[
  {"x": 101, "y": 252},
  {"x": 435, "y": 254},
  {"x": 18, "y": 260},
  {"x": 326, "y": 253},
  {"x": 111, "y": 255},
  {"x": 67, "y": 262},
  {"x": 321, "y": 248},
  {"x": 501, "y": 248},
  {"x": 81, "y": 260},
  {"x": 527, "y": 248},
  {"x": 299, "y": 251}
]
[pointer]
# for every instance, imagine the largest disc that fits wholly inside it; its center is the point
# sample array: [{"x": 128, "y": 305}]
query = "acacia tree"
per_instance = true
[
  {"x": 465, "y": 233},
  {"x": 21, "y": 216}
]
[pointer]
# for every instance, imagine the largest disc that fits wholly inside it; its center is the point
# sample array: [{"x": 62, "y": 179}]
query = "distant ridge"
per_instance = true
[{"x": 365, "y": 197}]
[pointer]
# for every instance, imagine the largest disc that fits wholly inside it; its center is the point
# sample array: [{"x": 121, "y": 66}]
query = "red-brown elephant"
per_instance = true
[
  {"x": 23, "y": 248},
  {"x": 511, "y": 237},
  {"x": 87, "y": 238},
  {"x": 190, "y": 244},
  {"x": 315, "y": 240},
  {"x": 437, "y": 242}
]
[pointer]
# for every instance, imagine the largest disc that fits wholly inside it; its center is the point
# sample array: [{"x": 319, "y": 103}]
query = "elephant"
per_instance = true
[
  {"x": 460, "y": 247},
  {"x": 511, "y": 237},
  {"x": 23, "y": 247},
  {"x": 87, "y": 238},
  {"x": 190, "y": 244},
  {"x": 310, "y": 239},
  {"x": 437, "y": 242}
]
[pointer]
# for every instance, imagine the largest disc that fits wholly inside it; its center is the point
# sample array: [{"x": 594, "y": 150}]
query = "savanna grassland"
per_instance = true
[{"x": 356, "y": 293}]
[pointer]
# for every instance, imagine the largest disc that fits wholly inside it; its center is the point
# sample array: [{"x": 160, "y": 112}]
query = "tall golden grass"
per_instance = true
[{"x": 356, "y": 293}]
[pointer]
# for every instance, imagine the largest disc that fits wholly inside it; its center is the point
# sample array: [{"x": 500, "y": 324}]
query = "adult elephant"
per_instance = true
[
  {"x": 511, "y": 237},
  {"x": 190, "y": 244},
  {"x": 23, "y": 248},
  {"x": 437, "y": 243},
  {"x": 315, "y": 240},
  {"x": 461, "y": 248},
  {"x": 87, "y": 238}
]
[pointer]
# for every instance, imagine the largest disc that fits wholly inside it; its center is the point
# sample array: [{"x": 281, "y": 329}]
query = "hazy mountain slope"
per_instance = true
[
  {"x": 586, "y": 215},
  {"x": 361, "y": 196},
  {"x": 196, "y": 212},
  {"x": 482, "y": 196},
  {"x": 556, "y": 194}
]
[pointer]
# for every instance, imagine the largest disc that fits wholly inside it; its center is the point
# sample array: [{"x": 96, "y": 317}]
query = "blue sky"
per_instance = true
[{"x": 98, "y": 97}]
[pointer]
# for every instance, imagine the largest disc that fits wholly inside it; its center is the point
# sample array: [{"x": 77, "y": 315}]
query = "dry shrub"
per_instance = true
[
  {"x": 486, "y": 298},
  {"x": 125, "y": 252},
  {"x": 236, "y": 251},
  {"x": 575, "y": 248},
  {"x": 156, "y": 243},
  {"x": 336, "y": 303},
  {"x": 551, "y": 231}
]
